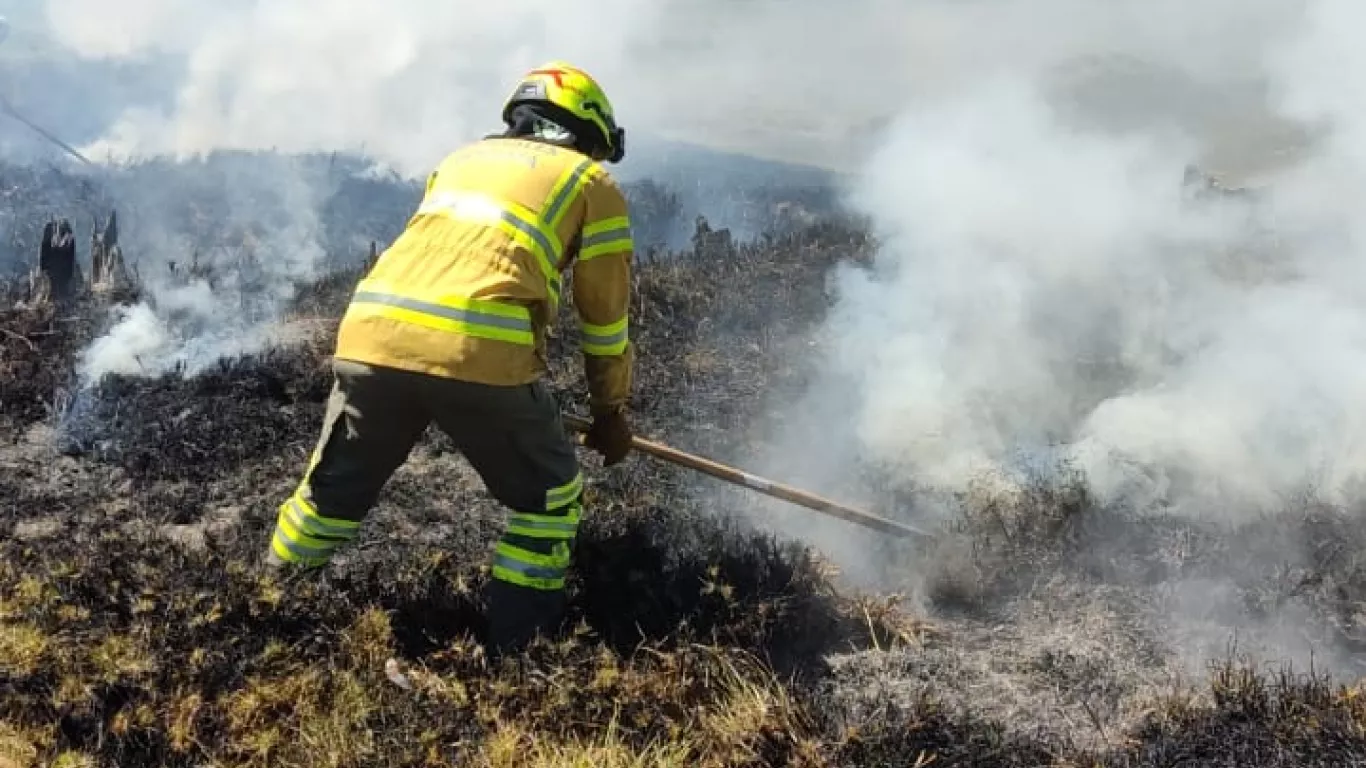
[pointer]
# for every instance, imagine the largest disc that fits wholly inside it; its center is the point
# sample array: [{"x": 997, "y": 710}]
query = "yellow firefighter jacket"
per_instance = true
[{"x": 468, "y": 288}]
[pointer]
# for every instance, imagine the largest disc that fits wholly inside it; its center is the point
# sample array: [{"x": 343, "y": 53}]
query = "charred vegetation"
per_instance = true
[{"x": 135, "y": 628}]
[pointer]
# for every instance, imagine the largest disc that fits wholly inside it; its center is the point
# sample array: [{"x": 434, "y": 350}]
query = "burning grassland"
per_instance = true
[{"x": 1045, "y": 628}]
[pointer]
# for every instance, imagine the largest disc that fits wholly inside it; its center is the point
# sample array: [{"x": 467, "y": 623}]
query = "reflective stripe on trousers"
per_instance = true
[
  {"x": 525, "y": 568},
  {"x": 303, "y": 536},
  {"x": 551, "y": 533},
  {"x": 563, "y": 513}
]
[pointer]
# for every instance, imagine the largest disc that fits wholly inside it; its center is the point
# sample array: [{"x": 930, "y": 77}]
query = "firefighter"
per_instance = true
[{"x": 448, "y": 327}]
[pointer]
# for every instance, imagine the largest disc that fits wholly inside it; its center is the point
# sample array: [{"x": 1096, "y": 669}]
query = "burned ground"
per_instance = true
[{"x": 1046, "y": 629}]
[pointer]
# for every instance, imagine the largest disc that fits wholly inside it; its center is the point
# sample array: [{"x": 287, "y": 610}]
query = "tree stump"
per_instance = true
[
  {"x": 108, "y": 273},
  {"x": 58, "y": 275},
  {"x": 709, "y": 242}
]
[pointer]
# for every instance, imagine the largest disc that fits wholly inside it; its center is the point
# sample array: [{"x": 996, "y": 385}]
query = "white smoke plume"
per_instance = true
[
  {"x": 215, "y": 280},
  {"x": 1047, "y": 288},
  {"x": 403, "y": 83},
  {"x": 406, "y": 80},
  {"x": 1048, "y": 294}
]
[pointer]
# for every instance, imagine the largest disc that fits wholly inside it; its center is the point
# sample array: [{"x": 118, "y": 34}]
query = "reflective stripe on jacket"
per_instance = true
[{"x": 468, "y": 288}]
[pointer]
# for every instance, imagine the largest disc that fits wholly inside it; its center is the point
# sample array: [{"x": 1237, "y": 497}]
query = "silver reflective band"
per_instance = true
[
  {"x": 527, "y": 569},
  {"x": 553, "y": 210},
  {"x": 620, "y": 233},
  {"x": 301, "y": 550},
  {"x": 544, "y": 525},
  {"x": 450, "y": 313},
  {"x": 314, "y": 528}
]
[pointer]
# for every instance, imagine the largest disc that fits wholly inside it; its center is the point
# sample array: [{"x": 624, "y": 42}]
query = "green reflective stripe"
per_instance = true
[
  {"x": 622, "y": 233},
  {"x": 485, "y": 306},
  {"x": 307, "y": 519},
  {"x": 608, "y": 339},
  {"x": 606, "y": 225},
  {"x": 562, "y": 495},
  {"x": 293, "y": 534},
  {"x": 606, "y": 243},
  {"x": 471, "y": 317},
  {"x": 604, "y": 340},
  {"x": 530, "y": 569},
  {"x": 546, "y": 526},
  {"x": 568, "y": 187},
  {"x": 608, "y": 330},
  {"x": 558, "y": 560},
  {"x": 467, "y": 206},
  {"x": 547, "y": 251},
  {"x": 292, "y": 552},
  {"x": 304, "y": 536},
  {"x": 605, "y": 350},
  {"x": 307, "y": 527}
]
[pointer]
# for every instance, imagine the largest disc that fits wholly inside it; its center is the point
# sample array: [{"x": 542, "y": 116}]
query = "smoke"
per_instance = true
[
  {"x": 219, "y": 246},
  {"x": 403, "y": 83},
  {"x": 406, "y": 80},
  {"x": 1047, "y": 289},
  {"x": 1048, "y": 295}
]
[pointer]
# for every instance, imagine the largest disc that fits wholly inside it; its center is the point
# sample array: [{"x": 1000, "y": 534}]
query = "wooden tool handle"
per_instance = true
[{"x": 762, "y": 485}]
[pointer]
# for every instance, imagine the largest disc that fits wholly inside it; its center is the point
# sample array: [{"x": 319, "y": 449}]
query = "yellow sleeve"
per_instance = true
[{"x": 602, "y": 294}]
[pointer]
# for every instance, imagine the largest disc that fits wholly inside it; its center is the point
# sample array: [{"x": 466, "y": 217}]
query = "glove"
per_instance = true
[{"x": 609, "y": 435}]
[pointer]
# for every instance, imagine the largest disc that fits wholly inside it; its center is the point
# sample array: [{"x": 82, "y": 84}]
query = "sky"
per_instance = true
[{"x": 407, "y": 79}]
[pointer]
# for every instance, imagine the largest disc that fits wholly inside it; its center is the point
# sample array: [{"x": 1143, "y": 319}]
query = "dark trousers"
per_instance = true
[{"x": 512, "y": 436}]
